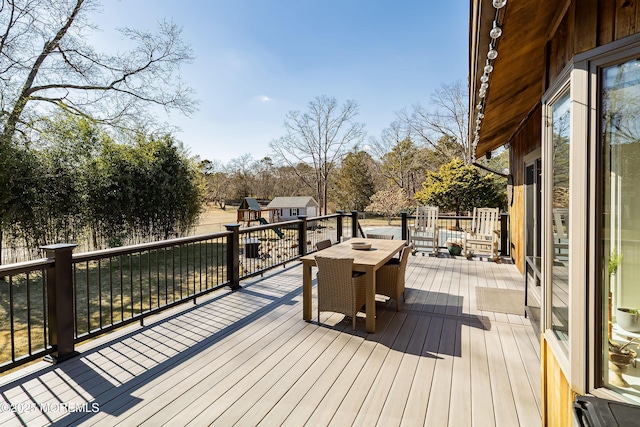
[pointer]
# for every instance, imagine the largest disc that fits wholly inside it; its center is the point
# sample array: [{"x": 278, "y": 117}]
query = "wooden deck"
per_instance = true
[{"x": 247, "y": 358}]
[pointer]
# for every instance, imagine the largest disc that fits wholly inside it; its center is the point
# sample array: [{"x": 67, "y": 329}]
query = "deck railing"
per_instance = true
[
  {"x": 48, "y": 306},
  {"x": 23, "y": 308}
]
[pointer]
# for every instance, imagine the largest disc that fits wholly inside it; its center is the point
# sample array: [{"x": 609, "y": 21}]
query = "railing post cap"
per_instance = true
[
  {"x": 232, "y": 226},
  {"x": 302, "y": 216},
  {"x": 58, "y": 247}
]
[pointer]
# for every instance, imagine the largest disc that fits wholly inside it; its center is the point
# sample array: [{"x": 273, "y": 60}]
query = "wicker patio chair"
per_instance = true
[
  {"x": 323, "y": 244},
  {"x": 380, "y": 236},
  {"x": 340, "y": 290},
  {"x": 390, "y": 278}
]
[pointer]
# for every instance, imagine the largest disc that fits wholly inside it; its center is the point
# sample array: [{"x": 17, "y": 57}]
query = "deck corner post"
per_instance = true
[
  {"x": 60, "y": 302},
  {"x": 504, "y": 234},
  {"x": 339, "y": 225},
  {"x": 405, "y": 227},
  {"x": 354, "y": 223},
  {"x": 233, "y": 256},
  {"x": 302, "y": 235}
]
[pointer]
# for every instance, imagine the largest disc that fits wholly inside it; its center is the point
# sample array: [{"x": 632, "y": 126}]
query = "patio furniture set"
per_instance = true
[
  {"x": 351, "y": 273},
  {"x": 482, "y": 237}
]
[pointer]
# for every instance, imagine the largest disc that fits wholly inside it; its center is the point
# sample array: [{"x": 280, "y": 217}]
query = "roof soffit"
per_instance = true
[{"x": 516, "y": 83}]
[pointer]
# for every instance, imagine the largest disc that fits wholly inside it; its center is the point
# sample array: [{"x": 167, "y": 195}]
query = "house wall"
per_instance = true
[
  {"x": 528, "y": 138},
  {"x": 556, "y": 392},
  {"x": 594, "y": 23},
  {"x": 287, "y": 215},
  {"x": 584, "y": 26}
]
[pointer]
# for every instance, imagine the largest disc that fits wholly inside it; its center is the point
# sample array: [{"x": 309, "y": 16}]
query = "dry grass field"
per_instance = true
[{"x": 212, "y": 220}]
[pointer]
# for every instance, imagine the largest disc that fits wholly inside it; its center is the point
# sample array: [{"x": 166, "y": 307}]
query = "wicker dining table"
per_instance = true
[{"x": 366, "y": 261}]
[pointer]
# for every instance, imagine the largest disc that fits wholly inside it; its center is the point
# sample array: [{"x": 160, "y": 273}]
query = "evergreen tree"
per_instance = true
[
  {"x": 354, "y": 184},
  {"x": 458, "y": 187}
]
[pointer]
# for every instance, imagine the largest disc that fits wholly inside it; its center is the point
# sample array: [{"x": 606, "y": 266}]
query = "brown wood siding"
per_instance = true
[
  {"x": 594, "y": 23},
  {"x": 606, "y": 22},
  {"x": 557, "y": 396},
  {"x": 527, "y": 139}
]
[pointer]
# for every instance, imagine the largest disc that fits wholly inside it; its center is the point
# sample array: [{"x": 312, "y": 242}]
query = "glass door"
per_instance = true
[{"x": 620, "y": 144}]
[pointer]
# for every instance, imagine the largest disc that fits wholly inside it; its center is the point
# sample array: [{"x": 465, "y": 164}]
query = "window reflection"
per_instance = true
[
  {"x": 621, "y": 221},
  {"x": 561, "y": 120}
]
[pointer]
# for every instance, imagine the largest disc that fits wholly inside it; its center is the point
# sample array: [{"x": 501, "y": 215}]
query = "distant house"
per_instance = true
[{"x": 289, "y": 208}]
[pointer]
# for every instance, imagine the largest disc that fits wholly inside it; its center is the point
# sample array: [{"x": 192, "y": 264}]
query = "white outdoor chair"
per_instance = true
[
  {"x": 484, "y": 234},
  {"x": 424, "y": 232},
  {"x": 561, "y": 233}
]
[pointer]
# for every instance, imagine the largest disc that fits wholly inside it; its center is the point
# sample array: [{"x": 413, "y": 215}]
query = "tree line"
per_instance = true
[
  {"x": 424, "y": 156},
  {"x": 61, "y": 173},
  {"x": 83, "y": 154},
  {"x": 81, "y": 184}
]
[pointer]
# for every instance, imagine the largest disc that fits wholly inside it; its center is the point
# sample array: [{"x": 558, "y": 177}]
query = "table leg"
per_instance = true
[
  {"x": 307, "y": 303},
  {"x": 371, "y": 300}
]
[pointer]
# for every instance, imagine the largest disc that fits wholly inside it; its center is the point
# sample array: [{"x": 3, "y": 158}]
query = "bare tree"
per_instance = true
[
  {"x": 217, "y": 182},
  {"x": 46, "y": 64},
  {"x": 241, "y": 176},
  {"x": 389, "y": 203},
  {"x": 448, "y": 117},
  {"x": 319, "y": 138}
]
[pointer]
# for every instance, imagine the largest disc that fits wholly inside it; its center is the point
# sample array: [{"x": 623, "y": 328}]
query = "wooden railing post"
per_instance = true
[
  {"x": 504, "y": 234},
  {"x": 354, "y": 223},
  {"x": 302, "y": 235},
  {"x": 233, "y": 256},
  {"x": 60, "y": 302},
  {"x": 404, "y": 225},
  {"x": 339, "y": 225}
]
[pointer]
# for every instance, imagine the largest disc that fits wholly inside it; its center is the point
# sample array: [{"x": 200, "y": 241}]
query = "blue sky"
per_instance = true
[{"x": 256, "y": 60}]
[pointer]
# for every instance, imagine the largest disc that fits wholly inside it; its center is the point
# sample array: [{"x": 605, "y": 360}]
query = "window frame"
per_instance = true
[
  {"x": 570, "y": 356},
  {"x": 595, "y": 61}
]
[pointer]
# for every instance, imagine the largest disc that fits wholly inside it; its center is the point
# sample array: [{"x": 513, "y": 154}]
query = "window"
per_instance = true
[
  {"x": 560, "y": 114},
  {"x": 295, "y": 211},
  {"x": 620, "y": 145}
]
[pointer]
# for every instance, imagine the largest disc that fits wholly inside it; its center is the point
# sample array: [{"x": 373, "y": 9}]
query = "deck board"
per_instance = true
[{"x": 248, "y": 358}]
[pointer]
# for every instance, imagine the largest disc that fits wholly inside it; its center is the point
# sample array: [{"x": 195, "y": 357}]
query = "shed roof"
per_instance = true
[
  {"x": 292, "y": 202},
  {"x": 251, "y": 204}
]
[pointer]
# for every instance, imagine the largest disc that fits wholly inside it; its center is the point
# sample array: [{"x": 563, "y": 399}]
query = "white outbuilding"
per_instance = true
[{"x": 289, "y": 208}]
